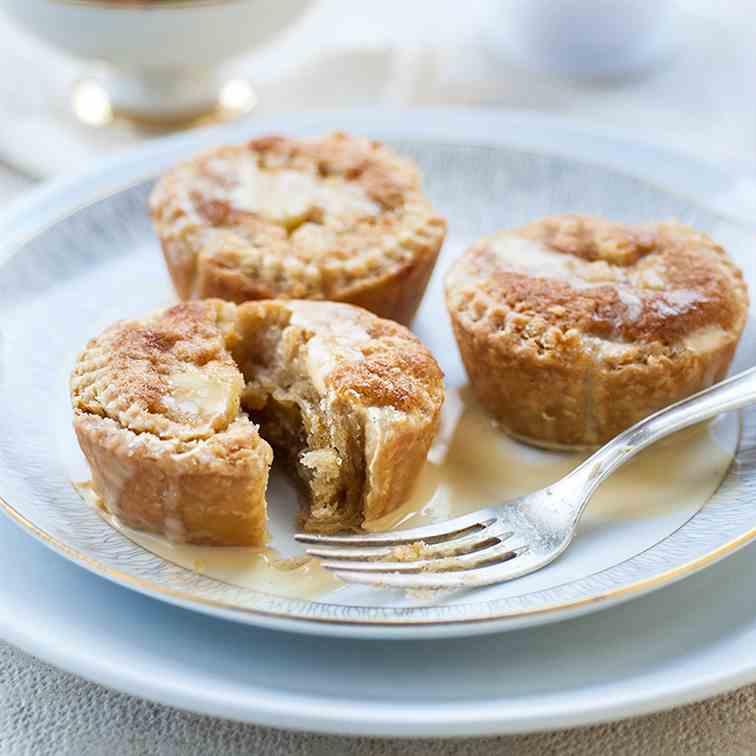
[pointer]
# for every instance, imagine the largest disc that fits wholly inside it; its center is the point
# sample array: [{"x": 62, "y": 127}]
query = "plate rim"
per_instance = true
[
  {"x": 168, "y": 149},
  {"x": 301, "y": 712}
]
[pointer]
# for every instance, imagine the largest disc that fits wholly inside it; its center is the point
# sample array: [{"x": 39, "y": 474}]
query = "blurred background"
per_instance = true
[{"x": 678, "y": 72}]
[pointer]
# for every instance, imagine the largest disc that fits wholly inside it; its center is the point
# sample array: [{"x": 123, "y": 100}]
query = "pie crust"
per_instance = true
[
  {"x": 573, "y": 328},
  {"x": 173, "y": 412},
  {"x": 337, "y": 218}
]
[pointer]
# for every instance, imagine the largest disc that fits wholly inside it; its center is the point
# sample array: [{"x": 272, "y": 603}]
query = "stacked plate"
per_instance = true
[{"x": 534, "y": 653}]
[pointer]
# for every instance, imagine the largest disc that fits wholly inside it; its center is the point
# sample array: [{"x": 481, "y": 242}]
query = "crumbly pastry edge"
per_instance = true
[
  {"x": 153, "y": 484},
  {"x": 578, "y": 396},
  {"x": 592, "y": 402},
  {"x": 394, "y": 295},
  {"x": 191, "y": 252}
]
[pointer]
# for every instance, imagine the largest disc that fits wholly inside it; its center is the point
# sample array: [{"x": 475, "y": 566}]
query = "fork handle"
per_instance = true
[{"x": 731, "y": 394}]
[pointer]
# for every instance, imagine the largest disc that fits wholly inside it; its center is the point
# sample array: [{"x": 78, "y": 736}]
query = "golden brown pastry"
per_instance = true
[
  {"x": 337, "y": 218},
  {"x": 157, "y": 415},
  {"x": 350, "y": 400},
  {"x": 573, "y": 328}
]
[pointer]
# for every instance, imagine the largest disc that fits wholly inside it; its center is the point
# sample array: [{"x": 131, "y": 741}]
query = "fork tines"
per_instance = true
[{"x": 455, "y": 553}]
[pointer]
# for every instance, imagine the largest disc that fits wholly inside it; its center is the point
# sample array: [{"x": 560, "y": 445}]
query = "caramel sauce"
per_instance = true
[
  {"x": 472, "y": 465},
  {"x": 261, "y": 569}
]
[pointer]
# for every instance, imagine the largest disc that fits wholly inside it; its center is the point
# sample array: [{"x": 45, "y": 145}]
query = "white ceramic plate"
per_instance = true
[
  {"x": 694, "y": 639},
  {"x": 83, "y": 254},
  {"x": 689, "y": 641}
]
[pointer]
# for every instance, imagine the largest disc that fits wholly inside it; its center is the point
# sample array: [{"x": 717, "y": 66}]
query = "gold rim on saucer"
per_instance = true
[{"x": 91, "y": 105}]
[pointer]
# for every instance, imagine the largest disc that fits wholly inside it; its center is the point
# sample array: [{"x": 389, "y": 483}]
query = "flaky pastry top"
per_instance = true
[
  {"x": 573, "y": 280},
  {"x": 172, "y": 375},
  {"x": 169, "y": 375},
  {"x": 302, "y": 218}
]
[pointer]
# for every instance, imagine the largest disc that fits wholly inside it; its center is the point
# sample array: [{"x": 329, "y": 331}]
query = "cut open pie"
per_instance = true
[{"x": 176, "y": 415}]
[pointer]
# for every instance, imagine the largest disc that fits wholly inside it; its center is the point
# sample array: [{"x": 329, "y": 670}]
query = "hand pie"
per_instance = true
[
  {"x": 337, "y": 218},
  {"x": 176, "y": 415},
  {"x": 573, "y": 328}
]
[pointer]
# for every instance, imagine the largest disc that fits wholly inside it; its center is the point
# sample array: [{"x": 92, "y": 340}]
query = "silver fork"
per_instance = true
[{"x": 521, "y": 535}]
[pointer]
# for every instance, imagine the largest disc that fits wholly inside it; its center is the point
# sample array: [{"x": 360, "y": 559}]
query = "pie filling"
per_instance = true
[
  {"x": 202, "y": 391},
  {"x": 319, "y": 437}
]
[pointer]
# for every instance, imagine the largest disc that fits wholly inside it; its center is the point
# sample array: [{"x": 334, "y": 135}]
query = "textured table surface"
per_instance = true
[{"x": 44, "y": 711}]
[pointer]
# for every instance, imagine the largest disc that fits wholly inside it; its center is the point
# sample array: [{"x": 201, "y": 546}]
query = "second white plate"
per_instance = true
[{"x": 85, "y": 255}]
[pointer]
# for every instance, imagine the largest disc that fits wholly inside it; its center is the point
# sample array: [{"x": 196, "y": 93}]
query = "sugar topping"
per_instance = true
[
  {"x": 319, "y": 218},
  {"x": 288, "y": 197},
  {"x": 657, "y": 283}
]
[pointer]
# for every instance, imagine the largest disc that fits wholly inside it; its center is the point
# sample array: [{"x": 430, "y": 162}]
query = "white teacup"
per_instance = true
[
  {"x": 585, "y": 38},
  {"x": 162, "y": 57}
]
